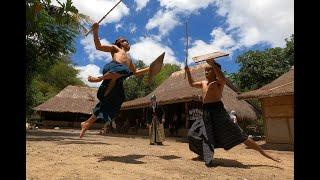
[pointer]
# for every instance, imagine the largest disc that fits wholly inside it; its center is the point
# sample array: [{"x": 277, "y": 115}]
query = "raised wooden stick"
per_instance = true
[
  {"x": 186, "y": 60},
  {"x": 104, "y": 16}
]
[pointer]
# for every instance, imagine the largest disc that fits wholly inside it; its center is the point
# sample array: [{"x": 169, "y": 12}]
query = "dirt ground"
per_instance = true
[{"x": 60, "y": 154}]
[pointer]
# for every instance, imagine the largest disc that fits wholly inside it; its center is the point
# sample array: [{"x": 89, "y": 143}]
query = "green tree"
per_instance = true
[
  {"x": 165, "y": 72},
  {"x": 50, "y": 34},
  {"x": 136, "y": 86},
  {"x": 261, "y": 67},
  {"x": 59, "y": 76}
]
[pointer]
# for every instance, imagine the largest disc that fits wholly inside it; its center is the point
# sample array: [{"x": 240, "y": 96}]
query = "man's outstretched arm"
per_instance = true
[
  {"x": 107, "y": 75},
  {"x": 97, "y": 43},
  {"x": 138, "y": 72}
]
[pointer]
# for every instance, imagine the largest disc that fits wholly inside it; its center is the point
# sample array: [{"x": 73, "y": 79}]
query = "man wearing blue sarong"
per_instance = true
[{"x": 111, "y": 92}]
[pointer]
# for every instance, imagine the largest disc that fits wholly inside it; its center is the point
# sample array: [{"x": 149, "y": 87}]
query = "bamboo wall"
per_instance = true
[{"x": 278, "y": 118}]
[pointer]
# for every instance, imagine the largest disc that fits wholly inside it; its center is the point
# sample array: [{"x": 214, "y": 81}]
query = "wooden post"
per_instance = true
[
  {"x": 75, "y": 124},
  {"x": 143, "y": 120},
  {"x": 264, "y": 119},
  {"x": 289, "y": 130},
  {"x": 186, "y": 115}
]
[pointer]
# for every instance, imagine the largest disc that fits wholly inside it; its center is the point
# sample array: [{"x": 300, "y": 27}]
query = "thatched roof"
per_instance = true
[
  {"x": 282, "y": 86},
  {"x": 73, "y": 99},
  {"x": 176, "y": 89}
]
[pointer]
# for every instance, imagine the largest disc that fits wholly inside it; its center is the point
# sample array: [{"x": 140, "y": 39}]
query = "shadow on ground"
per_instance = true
[
  {"x": 133, "y": 158},
  {"x": 169, "y": 157},
  {"x": 234, "y": 163}
]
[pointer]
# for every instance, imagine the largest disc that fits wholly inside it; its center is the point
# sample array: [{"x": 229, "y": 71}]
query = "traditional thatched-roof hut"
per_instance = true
[
  {"x": 72, "y": 105},
  {"x": 282, "y": 86},
  {"x": 74, "y": 99},
  {"x": 177, "y": 90},
  {"x": 277, "y": 107}
]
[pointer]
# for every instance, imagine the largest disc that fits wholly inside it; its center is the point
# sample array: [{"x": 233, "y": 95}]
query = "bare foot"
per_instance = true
[{"x": 84, "y": 127}]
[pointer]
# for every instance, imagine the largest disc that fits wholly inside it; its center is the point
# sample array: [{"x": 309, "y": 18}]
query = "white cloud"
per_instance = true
[
  {"x": 85, "y": 71},
  {"x": 147, "y": 49},
  {"x": 96, "y": 9},
  {"x": 183, "y": 5},
  {"x": 92, "y": 52},
  {"x": 141, "y": 4},
  {"x": 132, "y": 28},
  {"x": 167, "y": 18},
  {"x": 220, "y": 42},
  {"x": 165, "y": 21},
  {"x": 252, "y": 21},
  {"x": 256, "y": 21},
  {"x": 118, "y": 26}
]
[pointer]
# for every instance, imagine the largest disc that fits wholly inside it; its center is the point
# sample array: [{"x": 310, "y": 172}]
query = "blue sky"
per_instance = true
[{"x": 156, "y": 26}]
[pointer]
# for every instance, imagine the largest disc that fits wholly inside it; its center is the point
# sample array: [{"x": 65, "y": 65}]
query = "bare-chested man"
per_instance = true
[
  {"x": 216, "y": 130},
  {"x": 111, "y": 93}
]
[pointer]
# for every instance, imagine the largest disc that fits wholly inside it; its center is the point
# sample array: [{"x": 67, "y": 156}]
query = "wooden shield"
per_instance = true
[
  {"x": 209, "y": 56},
  {"x": 155, "y": 67}
]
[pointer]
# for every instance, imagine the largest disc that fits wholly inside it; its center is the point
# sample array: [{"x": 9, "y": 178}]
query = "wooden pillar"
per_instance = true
[
  {"x": 186, "y": 115},
  {"x": 75, "y": 124},
  {"x": 265, "y": 120},
  {"x": 143, "y": 117},
  {"x": 289, "y": 130}
]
